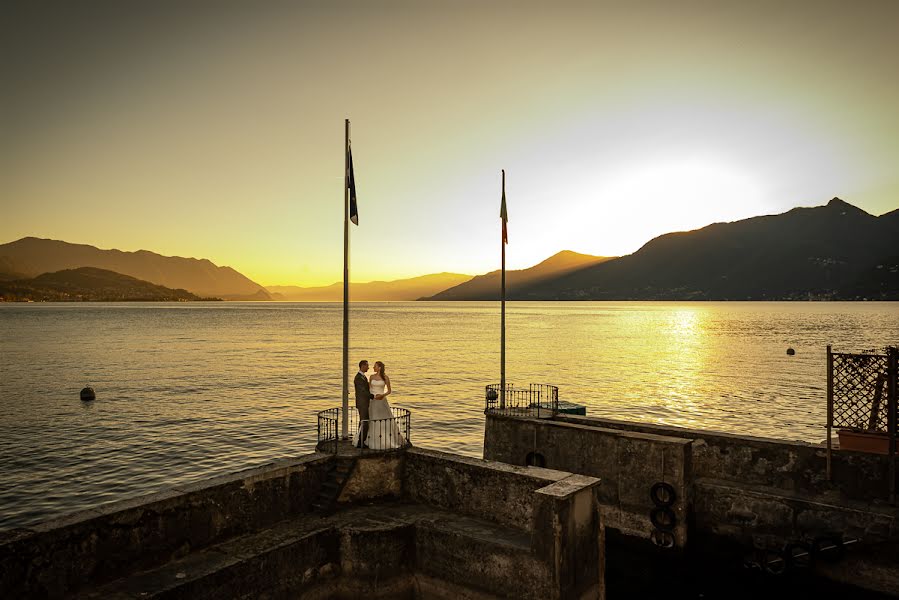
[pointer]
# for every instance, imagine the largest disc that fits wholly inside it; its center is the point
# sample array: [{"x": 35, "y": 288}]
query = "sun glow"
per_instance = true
[{"x": 677, "y": 195}]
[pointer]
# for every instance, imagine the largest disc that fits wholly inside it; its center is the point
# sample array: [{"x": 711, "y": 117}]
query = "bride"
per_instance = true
[{"x": 383, "y": 432}]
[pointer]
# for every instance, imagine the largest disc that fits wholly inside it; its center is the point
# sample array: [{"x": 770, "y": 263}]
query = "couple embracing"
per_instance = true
[{"x": 377, "y": 427}]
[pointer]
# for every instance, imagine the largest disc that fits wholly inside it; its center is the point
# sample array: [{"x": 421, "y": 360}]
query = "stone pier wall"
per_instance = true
[
  {"x": 736, "y": 495},
  {"x": 55, "y": 557},
  {"x": 408, "y": 524},
  {"x": 559, "y": 511},
  {"x": 792, "y": 466},
  {"x": 629, "y": 464}
]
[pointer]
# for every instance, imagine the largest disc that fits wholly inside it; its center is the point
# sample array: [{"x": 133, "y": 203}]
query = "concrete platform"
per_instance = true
[
  {"x": 312, "y": 553},
  {"x": 409, "y": 524}
]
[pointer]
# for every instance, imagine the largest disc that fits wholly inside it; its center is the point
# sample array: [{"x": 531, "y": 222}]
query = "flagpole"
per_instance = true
[
  {"x": 502, "y": 376},
  {"x": 344, "y": 427}
]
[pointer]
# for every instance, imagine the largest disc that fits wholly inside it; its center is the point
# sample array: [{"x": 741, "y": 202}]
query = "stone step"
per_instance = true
[
  {"x": 298, "y": 555},
  {"x": 246, "y": 566},
  {"x": 822, "y": 501},
  {"x": 743, "y": 511}
]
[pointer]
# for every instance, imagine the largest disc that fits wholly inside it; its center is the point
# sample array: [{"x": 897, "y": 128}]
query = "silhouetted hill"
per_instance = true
[
  {"x": 487, "y": 287},
  {"x": 88, "y": 284},
  {"x": 398, "y": 290},
  {"x": 33, "y": 256},
  {"x": 9, "y": 270},
  {"x": 837, "y": 251}
]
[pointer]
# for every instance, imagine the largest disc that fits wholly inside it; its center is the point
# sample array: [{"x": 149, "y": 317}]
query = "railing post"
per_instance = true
[{"x": 829, "y": 411}]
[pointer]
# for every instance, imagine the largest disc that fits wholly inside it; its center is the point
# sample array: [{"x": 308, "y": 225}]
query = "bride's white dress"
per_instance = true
[{"x": 383, "y": 431}]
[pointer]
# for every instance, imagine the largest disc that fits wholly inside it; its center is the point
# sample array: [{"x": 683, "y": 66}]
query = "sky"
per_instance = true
[{"x": 216, "y": 129}]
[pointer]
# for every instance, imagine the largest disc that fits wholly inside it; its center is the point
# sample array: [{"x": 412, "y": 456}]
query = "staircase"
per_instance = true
[{"x": 336, "y": 478}]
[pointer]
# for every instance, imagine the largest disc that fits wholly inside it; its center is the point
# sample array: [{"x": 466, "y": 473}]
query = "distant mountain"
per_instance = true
[
  {"x": 837, "y": 251},
  {"x": 10, "y": 270},
  {"x": 398, "y": 290},
  {"x": 487, "y": 287},
  {"x": 88, "y": 284},
  {"x": 32, "y": 256}
]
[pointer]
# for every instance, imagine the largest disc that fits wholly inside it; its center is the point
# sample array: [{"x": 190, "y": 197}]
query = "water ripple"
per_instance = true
[{"x": 186, "y": 391}]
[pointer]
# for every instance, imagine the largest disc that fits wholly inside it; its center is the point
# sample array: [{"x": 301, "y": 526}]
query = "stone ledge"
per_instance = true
[
  {"x": 743, "y": 514},
  {"x": 566, "y": 488},
  {"x": 479, "y": 463},
  {"x": 680, "y": 432}
]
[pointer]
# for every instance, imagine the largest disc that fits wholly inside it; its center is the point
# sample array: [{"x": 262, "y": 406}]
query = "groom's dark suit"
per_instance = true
[{"x": 363, "y": 399}]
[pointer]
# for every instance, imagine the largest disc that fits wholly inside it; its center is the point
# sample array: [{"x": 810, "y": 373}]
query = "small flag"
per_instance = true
[
  {"x": 354, "y": 211},
  {"x": 503, "y": 214}
]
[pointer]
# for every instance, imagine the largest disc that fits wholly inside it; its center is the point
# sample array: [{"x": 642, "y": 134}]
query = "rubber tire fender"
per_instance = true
[
  {"x": 665, "y": 488},
  {"x": 663, "y": 512}
]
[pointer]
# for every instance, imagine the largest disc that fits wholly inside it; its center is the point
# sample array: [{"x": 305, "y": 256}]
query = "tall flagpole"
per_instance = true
[
  {"x": 502, "y": 376},
  {"x": 346, "y": 280}
]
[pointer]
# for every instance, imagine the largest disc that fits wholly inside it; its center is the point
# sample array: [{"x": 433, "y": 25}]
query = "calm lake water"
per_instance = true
[{"x": 186, "y": 390}]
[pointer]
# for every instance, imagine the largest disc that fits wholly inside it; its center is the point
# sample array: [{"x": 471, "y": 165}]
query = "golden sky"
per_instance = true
[{"x": 215, "y": 129}]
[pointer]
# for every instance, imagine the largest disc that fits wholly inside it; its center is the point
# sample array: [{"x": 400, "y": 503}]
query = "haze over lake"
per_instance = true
[{"x": 185, "y": 390}]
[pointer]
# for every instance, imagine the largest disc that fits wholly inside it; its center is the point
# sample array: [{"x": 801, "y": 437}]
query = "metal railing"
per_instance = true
[
  {"x": 369, "y": 435},
  {"x": 862, "y": 397},
  {"x": 537, "y": 400}
]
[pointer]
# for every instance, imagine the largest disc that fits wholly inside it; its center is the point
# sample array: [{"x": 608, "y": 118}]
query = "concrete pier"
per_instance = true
[
  {"x": 736, "y": 498},
  {"x": 408, "y": 524}
]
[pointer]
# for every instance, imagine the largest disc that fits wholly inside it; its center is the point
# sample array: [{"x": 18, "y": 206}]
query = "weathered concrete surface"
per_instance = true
[
  {"x": 792, "y": 466},
  {"x": 739, "y": 495},
  {"x": 875, "y": 566},
  {"x": 746, "y": 514},
  {"x": 375, "y": 476},
  {"x": 497, "y": 563},
  {"x": 491, "y": 490},
  {"x": 558, "y": 509},
  {"x": 375, "y": 551},
  {"x": 629, "y": 463},
  {"x": 57, "y": 557},
  {"x": 426, "y": 515},
  {"x": 567, "y": 534}
]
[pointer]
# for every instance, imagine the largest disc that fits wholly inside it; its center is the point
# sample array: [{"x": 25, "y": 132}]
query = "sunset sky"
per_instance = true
[{"x": 215, "y": 129}]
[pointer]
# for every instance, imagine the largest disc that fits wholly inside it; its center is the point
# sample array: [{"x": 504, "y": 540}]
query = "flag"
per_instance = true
[
  {"x": 354, "y": 211},
  {"x": 503, "y": 215}
]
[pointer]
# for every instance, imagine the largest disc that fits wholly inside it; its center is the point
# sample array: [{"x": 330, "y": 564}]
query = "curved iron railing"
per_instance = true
[
  {"x": 537, "y": 400},
  {"x": 370, "y": 435}
]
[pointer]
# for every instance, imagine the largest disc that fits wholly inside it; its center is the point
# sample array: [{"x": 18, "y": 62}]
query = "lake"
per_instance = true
[{"x": 188, "y": 390}]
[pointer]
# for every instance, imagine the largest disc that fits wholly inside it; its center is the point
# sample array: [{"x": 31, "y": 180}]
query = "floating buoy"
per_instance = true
[
  {"x": 87, "y": 394},
  {"x": 790, "y": 352}
]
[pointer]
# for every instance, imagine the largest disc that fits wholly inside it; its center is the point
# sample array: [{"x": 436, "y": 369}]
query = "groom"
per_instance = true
[{"x": 363, "y": 398}]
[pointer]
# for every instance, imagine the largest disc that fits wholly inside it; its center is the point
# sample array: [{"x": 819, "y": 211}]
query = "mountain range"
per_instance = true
[
  {"x": 487, "y": 287},
  {"x": 31, "y": 256},
  {"x": 88, "y": 284},
  {"x": 836, "y": 252},
  {"x": 398, "y": 290}
]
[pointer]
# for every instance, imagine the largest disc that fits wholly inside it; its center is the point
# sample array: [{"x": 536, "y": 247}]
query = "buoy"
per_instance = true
[
  {"x": 790, "y": 352},
  {"x": 87, "y": 394}
]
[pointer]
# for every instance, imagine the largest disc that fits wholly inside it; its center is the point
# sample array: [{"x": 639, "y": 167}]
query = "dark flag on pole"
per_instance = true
[
  {"x": 502, "y": 211},
  {"x": 354, "y": 211}
]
